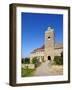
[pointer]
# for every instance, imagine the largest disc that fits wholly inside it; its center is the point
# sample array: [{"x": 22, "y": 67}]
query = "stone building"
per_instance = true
[{"x": 49, "y": 49}]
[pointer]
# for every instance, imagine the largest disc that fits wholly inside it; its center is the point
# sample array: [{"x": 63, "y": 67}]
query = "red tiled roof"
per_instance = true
[
  {"x": 57, "y": 46},
  {"x": 39, "y": 49}
]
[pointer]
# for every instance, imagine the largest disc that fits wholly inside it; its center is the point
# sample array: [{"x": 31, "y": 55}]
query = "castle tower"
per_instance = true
[{"x": 49, "y": 44}]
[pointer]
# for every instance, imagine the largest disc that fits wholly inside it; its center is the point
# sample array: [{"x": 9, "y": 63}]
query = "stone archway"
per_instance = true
[{"x": 49, "y": 57}]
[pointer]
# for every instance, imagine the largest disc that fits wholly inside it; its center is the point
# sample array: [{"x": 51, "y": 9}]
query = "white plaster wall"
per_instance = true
[{"x": 58, "y": 52}]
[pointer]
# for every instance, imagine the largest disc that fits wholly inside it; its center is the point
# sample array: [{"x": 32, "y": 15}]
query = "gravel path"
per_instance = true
[{"x": 46, "y": 69}]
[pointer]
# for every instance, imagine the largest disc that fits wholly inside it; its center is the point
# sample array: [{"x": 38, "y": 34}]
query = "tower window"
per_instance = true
[{"x": 49, "y": 37}]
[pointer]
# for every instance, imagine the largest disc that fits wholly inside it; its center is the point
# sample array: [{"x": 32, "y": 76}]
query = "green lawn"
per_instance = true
[{"x": 27, "y": 72}]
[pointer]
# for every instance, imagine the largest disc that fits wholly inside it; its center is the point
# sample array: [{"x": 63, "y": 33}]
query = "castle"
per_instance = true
[{"x": 49, "y": 49}]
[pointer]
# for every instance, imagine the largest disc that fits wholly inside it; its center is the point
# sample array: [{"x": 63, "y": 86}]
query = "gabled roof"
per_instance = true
[{"x": 38, "y": 49}]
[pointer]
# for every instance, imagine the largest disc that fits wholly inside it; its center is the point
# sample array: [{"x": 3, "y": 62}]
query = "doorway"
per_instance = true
[{"x": 49, "y": 57}]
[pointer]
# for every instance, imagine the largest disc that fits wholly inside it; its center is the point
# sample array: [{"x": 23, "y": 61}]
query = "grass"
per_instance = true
[{"x": 27, "y": 72}]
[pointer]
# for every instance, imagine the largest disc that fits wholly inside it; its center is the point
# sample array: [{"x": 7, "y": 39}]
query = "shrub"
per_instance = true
[
  {"x": 62, "y": 54},
  {"x": 25, "y": 60},
  {"x": 22, "y": 61},
  {"x": 35, "y": 61},
  {"x": 58, "y": 60}
]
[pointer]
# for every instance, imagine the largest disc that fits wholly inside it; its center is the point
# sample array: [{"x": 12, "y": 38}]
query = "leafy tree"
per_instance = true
[
  {"x": 35, "y": 61},
  {"x": 22, "y": 61},
  {"x": 25, "y": 60},
  {"x": 61, "y": 54},
  {"x": 59, "y": 59}
]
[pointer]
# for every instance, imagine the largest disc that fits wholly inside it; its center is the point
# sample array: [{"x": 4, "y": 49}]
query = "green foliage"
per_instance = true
[
  {"x": 35, "y": 61},
  {"x": 25, "y": 60},
  {"x": 58, "y": 60},
  {"x": 27, "y": 72},
  {"x": 61, "y": 54},
  {"x": 22, "y": 61}
]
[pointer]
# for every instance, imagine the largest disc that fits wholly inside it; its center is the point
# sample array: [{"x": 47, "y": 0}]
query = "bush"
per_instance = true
[
  {"x": 25, "y": 60},
  {"x": 58, "y": 60},
  {"x": 27, "y": 72},
  {"x": 35, "y": 61},
  {"x": 62, "y": 54},
  {"x": 22, "y": 61}
]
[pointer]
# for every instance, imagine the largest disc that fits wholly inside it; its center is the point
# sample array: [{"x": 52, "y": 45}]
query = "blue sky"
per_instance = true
[{"x": 33, "y": 27}]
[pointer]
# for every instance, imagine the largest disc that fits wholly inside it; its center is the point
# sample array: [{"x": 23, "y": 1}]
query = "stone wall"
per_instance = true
[
  {"x": 49, "y": 43},
  {"x": 30, "y": 66},
  {"x": 58, "y": 52}
]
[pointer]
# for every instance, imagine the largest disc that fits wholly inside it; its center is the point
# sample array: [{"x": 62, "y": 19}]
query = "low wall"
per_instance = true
[{"x": 30, "y": 66}]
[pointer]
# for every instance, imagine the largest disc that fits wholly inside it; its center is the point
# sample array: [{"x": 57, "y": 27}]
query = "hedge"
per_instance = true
[{"x": 58, "y": 60}]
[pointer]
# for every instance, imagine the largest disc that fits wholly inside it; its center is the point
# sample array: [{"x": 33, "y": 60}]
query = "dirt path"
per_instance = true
[{"x": 47, "y": 69}]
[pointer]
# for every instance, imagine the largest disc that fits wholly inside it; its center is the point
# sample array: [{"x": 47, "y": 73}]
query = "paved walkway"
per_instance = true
[{"x": 46, "y": 69}]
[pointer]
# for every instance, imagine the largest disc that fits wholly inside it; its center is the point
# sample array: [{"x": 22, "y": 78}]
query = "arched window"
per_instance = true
[
  {"x": 48, "y": 37},
  {"x": 49, "y": 57}
]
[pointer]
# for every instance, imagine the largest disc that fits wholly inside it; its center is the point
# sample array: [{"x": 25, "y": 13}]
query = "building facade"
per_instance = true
[{"x": 49, "y": 49}]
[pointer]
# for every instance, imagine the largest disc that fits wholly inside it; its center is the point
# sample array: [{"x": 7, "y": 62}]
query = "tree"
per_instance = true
[
  {"x": 22, "y": 61},
  {"x": 25, "y": 60},
  {"x": 35, "y": 61},
  {"x": 59, "y": 59},
  {"x": 62, "y": 54}
]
